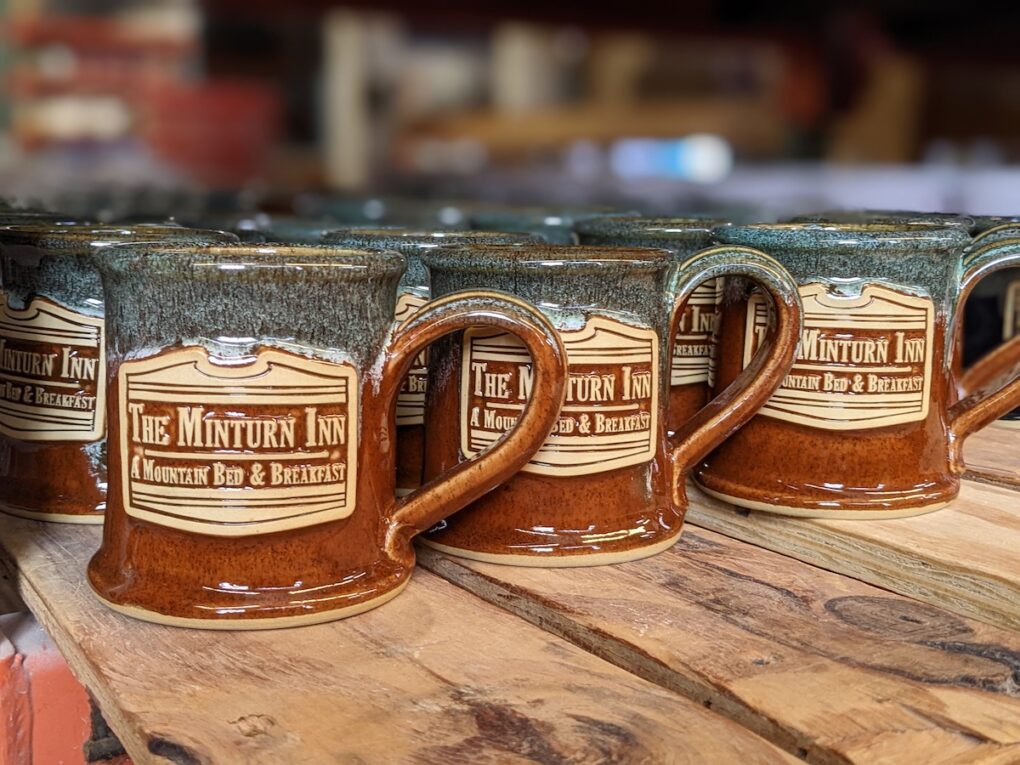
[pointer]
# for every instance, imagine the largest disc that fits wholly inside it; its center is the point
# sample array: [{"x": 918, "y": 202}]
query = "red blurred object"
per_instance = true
[
  {"x": 97, "y": 35},
  {"x": 219, "y": 132}
]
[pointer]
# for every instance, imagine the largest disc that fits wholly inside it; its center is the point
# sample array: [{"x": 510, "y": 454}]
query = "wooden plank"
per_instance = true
[
  {"x": 993, "y": 456},
  {"x": 964, "y": 558},
  {"x": 436, "y": 676},
  {"x": 827, "y": 667}
]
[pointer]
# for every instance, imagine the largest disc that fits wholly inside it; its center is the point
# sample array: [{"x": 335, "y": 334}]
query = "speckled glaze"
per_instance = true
[
  {"x": 412, "y": 294},
  {"x": 692, "y": 353},
  {"x": 555, "y": 224},
  {"x": 251, "y": 408},
  {"x": 888, "y": 217},
  {"x": 866, "y": 424},
  {"x": 54, "y": 310},
  {"x": 608, "y": 485}
]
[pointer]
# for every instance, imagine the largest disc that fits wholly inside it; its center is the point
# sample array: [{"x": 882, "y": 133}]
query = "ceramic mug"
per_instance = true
[
  {"x": 252, "y": 395},
  {"x": 691, "y": 365},
  {"x": 412, "y": 294},
  {"x": 52, "y": 377},
  {"x": 608, "y": 484},
  {"x": 867, "y": 424}
]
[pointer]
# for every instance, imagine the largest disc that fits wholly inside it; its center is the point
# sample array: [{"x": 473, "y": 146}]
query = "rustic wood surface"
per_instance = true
[
  {"x": 964, "y": 558},
  {"x": 829, "y": 668},
  {"x": 993, "y": 456},
  {"x": 435, "y": 676}
]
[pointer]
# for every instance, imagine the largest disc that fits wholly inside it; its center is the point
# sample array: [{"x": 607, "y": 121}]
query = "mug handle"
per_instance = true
[
  {"x": 728, "y": 411},
  {"x": 469, "y": 480},
  {"x": 995, "y": 363},
  {"x": 991, "y": 387}
]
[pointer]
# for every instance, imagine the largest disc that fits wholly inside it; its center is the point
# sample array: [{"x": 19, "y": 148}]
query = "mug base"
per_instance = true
[
  {"x": 32, "y": 515},
  {"x": 551, "y": 561},
  {"x": 821, "y": 513},
  {"x": 265, "y": 623}
]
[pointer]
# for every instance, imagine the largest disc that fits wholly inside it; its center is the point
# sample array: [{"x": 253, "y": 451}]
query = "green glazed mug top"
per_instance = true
[
  {"x": 413, "y": 243},
  {"x": 664, "y": 232},
  {"x": 867, "y": 238},
  {"x": 908, "y": 217}
]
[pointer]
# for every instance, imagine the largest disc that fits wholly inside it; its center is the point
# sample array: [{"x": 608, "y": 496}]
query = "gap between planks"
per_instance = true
[
  {"x": 964, "y": 558},
  {"x": 832, "y": 669},
  {"x": 435, "y": 676}
]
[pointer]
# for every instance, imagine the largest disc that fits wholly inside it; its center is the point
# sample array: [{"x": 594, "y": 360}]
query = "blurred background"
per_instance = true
[{"x": 664, "y": 107}]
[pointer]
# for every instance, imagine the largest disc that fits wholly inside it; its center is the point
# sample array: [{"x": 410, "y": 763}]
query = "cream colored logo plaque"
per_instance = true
[
  {"x": 692, "y": 350},
  {"x": 52, "y": 374},
  {"x": 411, "y": 399},
  {"x": 238, "y": 447},
  {"x": 862, "y": 362},
  {"x": 609, "y": 418},
  {"x": 1011, "y": 314}
]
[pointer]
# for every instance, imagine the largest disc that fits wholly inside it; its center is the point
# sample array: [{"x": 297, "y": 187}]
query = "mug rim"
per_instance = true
[
  {"x": 242, "y": 257},
  {"x": 428, "y": 238},
  {"x": 870, "y": 215},
  {"x": 665, "y": 227},
  {"x": 86, "y": 236},
  {"x": 898, "y": 237},
  {"x": 529, "y": 256}
]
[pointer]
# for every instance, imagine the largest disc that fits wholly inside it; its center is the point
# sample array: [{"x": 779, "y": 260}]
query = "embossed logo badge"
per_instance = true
[
  {"x": 692, "y": 351},
  {"x": 609, "y": 418},
  {"x": 862, "y": 362},
  {"x": 411, "y": 399},
  {"x": 1011, "y": 313},
  {"x": 236, "y": 447},
  {"x": 52, "y": 374}
]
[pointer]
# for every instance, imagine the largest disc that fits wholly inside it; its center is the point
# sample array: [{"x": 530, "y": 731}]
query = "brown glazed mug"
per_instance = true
[
  {"x": 412, "y": 294},
  {"x": 691, "y": 368},
  {"x": 52, "y": 377},
  {"x": 608, "y": 484},
  {"x": 252, "y": 396},
  {"x": 868, "y": 423}
]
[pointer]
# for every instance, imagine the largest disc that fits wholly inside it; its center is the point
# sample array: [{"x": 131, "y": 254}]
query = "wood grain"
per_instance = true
[
  {"x": 993, "y": 456},
  {"x": 436, "y": 676},
  {"x": 964, "y": 558},
  {"x": 829, "y": 668}
]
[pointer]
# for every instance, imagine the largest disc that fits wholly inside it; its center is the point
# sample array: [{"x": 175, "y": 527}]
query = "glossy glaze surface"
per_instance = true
[
  {"x": 252, "y": 431},
  {"x": 608, "y": 484},
  {"x": 867, "y": 420},
  {"x": 52, "y": 435},
  {"x": 413, "y": 293},
  {"x": 693, "y": 350}
]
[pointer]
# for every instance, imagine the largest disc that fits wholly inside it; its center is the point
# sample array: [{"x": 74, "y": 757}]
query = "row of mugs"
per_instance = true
[{"x": 259, "y": 398}]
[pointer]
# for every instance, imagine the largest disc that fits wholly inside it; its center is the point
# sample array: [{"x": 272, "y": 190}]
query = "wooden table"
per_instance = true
[{"x": 866, "y": 642}]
